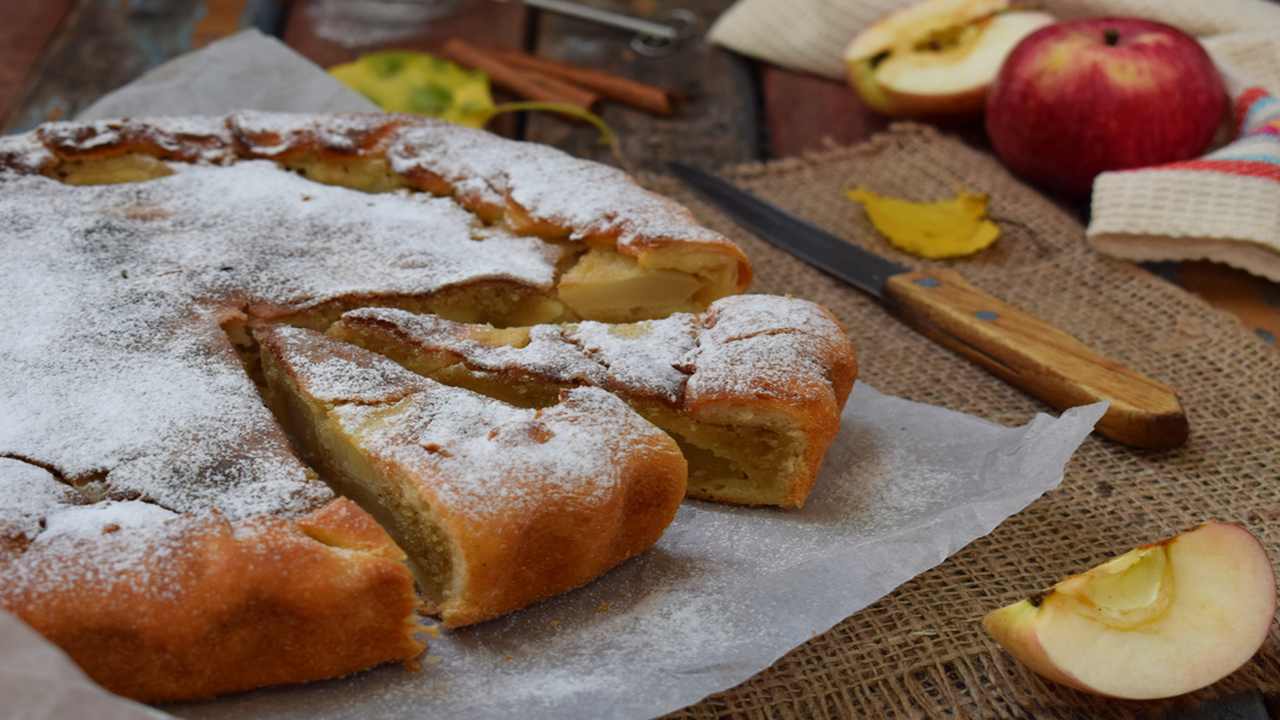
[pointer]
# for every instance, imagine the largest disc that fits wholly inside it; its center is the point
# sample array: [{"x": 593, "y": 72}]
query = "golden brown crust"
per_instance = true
[
  {"x": 344, "y": 136},
  {"x": 179, "y": 139},
  {"x": 519, "y": 562},
  {"x": 226, "y": 607}
]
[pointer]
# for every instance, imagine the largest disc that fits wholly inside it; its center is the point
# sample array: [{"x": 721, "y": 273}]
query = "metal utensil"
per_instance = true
[
  {"x": 1010, "y": 343},
  {"x": 651, "y": 38}
]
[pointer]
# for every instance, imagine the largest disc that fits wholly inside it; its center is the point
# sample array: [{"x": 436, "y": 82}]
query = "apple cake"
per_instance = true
[
  {"x": 155, "y": 521},
  {"x": 751, "y": 389},
  {"x": 498, "y": 506}
]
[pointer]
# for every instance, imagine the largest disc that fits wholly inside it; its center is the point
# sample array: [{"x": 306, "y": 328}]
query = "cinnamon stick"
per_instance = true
[
  {"x": 531, "y": 85},
  {"x": 630, "y": 92}
]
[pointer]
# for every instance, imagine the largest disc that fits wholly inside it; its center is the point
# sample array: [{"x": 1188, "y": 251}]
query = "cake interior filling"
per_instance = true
[
  {"x": 745, "y": 459},
  {"x": 117, "y": 170},
  {"x": 737, "y": 463},
  {"x": 381, "y": 491}
]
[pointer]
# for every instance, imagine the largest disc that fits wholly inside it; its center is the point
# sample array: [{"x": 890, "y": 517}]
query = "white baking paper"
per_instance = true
[
  {"x": 39, "y": 682},
  {"x": 246, "y": 71},
  {"x": 725, "y": 592}
]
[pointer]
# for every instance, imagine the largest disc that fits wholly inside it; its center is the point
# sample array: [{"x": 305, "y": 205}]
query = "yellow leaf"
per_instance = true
[
  {"x": 942, "y": 229},
  {"x": 414, "y": 82}
]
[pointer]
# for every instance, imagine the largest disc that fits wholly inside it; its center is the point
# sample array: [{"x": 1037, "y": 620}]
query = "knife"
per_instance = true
[{"x": 1024, "y": 351}]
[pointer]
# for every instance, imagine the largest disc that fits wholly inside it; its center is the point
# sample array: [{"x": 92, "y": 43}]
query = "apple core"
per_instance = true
[{"x": 1129, "y": 591}]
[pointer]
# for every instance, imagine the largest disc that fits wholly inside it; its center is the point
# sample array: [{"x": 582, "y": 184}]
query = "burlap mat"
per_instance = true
[{"x": 921, "y": 652}]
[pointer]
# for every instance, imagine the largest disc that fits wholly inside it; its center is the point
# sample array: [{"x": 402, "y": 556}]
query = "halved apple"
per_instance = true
[
  {"x": 938, "y": 57},
  {"x": 1158, "y": 621}
]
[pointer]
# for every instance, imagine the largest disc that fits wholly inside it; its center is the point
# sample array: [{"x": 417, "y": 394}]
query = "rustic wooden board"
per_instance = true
[
  {"x": 26, "y": 33},
  {"x": 716, "y": 121},
  {"x": 484, "y": 22},
  {"x": 221, "y": 18},
  {"x": 496, "y": 24},
  {"x": 1254, "y": 300},
  {"x": 803, "y": 113}
]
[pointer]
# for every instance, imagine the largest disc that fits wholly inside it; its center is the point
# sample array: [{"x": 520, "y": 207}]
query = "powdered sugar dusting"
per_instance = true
[
  {"x": 492, "y": 461},
  {"x": 742, "y": 346},
  {"x": 765, "y": 347},
  {"x": 23, "y": 153},
  {"x": 479, "y": 457},
  {"x": 112, "y": 554},
  {"x": 269, "y": 134},
  {"x": 190, "y": 139},
  {"x": 547, "y": 354},
  {"x": 335, "y": 373},
  {"x": 778, "y": 365},
  {"x": 589, "y": 198},
  {"x": 641, "y": 358},
  {"x": 30, "y": 493},
  {"x": 92, "y": 521},
  {"x": 118, "y": 364},
  {"x": 740, "y": 316}
]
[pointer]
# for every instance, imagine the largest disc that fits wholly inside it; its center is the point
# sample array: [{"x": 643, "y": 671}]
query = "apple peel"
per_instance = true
[
  {"x": 934, "y": 230},
  {"x": 1158, "y": 621}
]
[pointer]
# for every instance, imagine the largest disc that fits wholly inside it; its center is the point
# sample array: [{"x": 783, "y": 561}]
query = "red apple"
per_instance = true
[
  {"x": 1081, "y": 97},
  {"x": 1161, "y": 620}
]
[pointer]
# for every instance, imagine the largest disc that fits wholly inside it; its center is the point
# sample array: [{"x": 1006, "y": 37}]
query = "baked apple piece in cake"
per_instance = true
[
  {"x": 751, "y": 389},
  {"x": 631, "y": 254},
  {"x": 497, "y": 506}
]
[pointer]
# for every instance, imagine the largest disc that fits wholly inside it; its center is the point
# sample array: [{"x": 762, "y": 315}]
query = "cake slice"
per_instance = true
[
  {"x": 496, "y": 506},
  {"x": 751, "y": 389}
]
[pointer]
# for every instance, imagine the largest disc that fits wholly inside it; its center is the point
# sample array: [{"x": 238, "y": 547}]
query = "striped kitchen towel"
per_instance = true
[{"x": 1224, "y": 206}]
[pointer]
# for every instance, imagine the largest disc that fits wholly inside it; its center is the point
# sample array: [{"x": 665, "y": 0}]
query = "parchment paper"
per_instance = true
[{"x": 726, "y": 591}]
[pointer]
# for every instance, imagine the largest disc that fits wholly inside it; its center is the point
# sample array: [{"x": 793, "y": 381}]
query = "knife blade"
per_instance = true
[{"x": 1012, "y": 344}]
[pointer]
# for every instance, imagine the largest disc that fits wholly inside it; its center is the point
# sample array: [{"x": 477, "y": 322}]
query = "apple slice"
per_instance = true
[
  {"x": 1158, "y": 621},
  {"x": 938, "y": 57}
]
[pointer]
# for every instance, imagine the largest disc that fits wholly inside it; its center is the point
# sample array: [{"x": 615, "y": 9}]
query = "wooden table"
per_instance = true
[{"x": 57, "y": 56}]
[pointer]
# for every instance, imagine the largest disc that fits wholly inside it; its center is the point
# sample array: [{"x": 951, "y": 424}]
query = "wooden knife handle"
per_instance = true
[{"x": 1042, "y": 360}]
